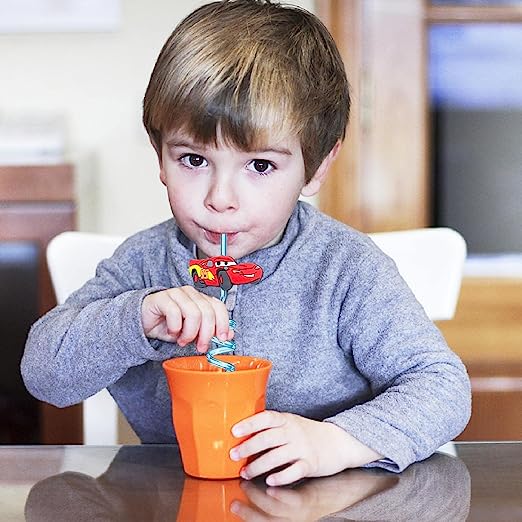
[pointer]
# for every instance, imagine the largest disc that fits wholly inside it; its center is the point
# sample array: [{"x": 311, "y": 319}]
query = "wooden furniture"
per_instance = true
[
  {"x": 487, "y": 334},
  {"x": 37, "y": 203},
  {"x": 481, "y": 482}
]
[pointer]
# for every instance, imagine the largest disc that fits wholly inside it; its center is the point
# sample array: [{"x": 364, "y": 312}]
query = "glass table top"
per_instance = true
[{"x": 473, "y": 481}]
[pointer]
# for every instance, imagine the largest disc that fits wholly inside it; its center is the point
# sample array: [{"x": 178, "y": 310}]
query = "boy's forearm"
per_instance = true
[{"x": 66, "y": 344}]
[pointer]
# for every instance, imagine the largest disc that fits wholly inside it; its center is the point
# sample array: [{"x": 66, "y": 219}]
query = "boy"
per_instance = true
[{"x": 246, "y": 108}]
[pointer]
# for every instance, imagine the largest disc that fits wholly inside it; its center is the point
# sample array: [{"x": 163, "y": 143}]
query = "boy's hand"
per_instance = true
[
  {"x": 180, "y": 315},
  {"x": 306, "y": 448}
]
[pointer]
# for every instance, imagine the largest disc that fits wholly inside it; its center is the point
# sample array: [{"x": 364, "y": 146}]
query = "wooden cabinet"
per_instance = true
[
  {"x": 487, "y": 334},
  {"x": 380, "y": 179},
  {"x": 37, "y": 203}
]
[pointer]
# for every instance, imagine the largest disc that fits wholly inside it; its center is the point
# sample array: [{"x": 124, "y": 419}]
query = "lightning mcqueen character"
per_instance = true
[{"x": 223, "y": 271}]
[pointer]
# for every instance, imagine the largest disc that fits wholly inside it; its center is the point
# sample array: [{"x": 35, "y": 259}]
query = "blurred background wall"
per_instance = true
[{"x": 96, "y": 82}]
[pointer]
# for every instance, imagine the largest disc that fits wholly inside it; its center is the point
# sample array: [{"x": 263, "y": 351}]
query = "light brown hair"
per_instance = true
[{"x": 247, "y": 70}]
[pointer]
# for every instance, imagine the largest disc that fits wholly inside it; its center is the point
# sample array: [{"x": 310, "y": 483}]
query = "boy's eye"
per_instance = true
[
  {"x": 193, "y": 160},
  {"x": 261, "y": 166}
]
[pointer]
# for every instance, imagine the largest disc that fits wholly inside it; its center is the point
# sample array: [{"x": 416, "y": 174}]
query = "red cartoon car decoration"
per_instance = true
[{"x": 224, "y": 272}]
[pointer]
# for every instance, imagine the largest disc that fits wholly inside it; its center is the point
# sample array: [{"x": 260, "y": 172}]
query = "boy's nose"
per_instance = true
[{"x": 221, "y": 196}]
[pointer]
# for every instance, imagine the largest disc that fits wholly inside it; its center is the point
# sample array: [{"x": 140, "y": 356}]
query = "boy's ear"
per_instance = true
[{"x": 313, "y": 186}]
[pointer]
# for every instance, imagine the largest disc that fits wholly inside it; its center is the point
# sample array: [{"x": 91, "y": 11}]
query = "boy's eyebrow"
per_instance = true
[
  {"x": 277, "y": 150},
  {"x": 176, "y": 142}
]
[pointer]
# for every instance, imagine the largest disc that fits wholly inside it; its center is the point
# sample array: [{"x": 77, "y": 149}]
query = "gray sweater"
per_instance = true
[{"x": 348, "y": 341}]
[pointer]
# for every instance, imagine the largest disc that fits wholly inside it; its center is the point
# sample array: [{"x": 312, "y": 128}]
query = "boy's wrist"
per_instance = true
[{"x": 352, "y": 452}]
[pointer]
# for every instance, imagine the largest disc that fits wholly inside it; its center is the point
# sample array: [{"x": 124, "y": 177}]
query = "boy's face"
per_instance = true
[{"x": 247, "y": 195}]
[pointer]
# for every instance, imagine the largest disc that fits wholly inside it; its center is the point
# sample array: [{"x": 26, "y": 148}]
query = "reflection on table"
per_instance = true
[{"x": 147, "y": 483}]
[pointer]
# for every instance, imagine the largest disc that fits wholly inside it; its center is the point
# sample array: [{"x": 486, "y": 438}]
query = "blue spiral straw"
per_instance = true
[
  {"x": 223, "y": 296},
  {"x": 220, "y": 347}
]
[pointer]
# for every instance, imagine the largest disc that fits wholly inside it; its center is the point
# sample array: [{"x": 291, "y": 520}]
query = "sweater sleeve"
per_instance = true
[
  {"x": 420, "y": 388},
  {"x": 90, "y": 341}
]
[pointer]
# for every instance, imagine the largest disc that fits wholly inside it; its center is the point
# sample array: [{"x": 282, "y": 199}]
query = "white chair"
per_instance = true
[
  {"x": 72, "y": 258},
  {"x": 431, "y": 261}
]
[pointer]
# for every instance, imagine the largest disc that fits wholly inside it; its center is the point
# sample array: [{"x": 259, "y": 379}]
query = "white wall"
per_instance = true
[{"x": 96, "y": 81}]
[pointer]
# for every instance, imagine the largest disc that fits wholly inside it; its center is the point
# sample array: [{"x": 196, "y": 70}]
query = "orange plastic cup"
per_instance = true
[
  {"x": 206, "y": 402},
  {"x": 204, "y": 500}
]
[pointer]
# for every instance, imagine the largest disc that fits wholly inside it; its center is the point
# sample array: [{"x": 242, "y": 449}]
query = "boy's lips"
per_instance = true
[{"x": 215, "y": 237}]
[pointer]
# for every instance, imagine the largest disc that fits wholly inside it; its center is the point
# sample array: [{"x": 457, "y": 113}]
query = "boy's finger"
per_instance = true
[
  {"x": 268, "y": 461},
  {"x": 221, "y": 318},
  {"x": 190, "y": 315},
  {"x": 258, "y": 422},
  {"x": 293, "y": 473},
  {"x": 161, "y": 317},
  {"x": 207, "y": 325},
  {"x": 173, "y": 320},
  {"x": 262, "y": 441}
]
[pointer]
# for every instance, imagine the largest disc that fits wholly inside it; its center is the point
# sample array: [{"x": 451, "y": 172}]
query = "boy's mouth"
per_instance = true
[{"x": 215, "y": 237}]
